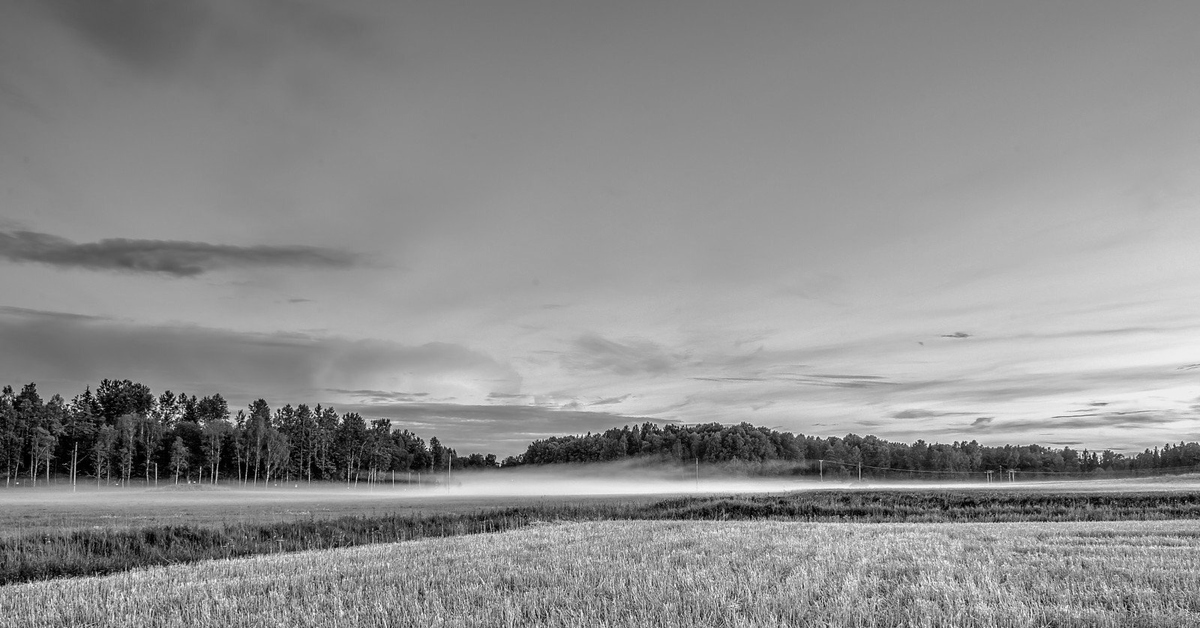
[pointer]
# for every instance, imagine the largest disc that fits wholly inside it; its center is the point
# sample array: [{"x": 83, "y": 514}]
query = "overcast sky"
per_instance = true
[{"x": 495, "y": 221}]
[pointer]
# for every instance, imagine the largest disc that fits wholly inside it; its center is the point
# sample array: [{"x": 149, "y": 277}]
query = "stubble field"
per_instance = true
[
  {"x": 643, "y": 573},
  {"x": 1092, "y": 554}
]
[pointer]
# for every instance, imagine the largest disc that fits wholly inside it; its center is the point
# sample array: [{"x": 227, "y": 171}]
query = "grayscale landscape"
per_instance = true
[{"x": 654, "y": 313}]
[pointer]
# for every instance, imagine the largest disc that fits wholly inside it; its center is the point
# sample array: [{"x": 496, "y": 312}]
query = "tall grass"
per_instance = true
[
  {"x": 44, "y": 555},
  {"x": 668, "y": 574}
]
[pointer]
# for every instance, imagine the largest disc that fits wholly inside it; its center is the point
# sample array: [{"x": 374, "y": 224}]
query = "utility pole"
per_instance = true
[
  {"x": 697, "y": 473},
  {"x": 860, "y": 472},
  {"x": 821, "y": 467}
]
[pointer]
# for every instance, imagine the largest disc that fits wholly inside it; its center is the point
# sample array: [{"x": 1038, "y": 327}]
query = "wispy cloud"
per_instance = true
[
  {"x": 169, "y": 257},
  {"x": 823, "y": 381},
  {"x": 916, "y": 413},
  {"x": 1115, "y": 420},
  {"x": 609, "y": 401},
  {"x": 381, "y": 396},
  {"x": 591, "y": 352}
]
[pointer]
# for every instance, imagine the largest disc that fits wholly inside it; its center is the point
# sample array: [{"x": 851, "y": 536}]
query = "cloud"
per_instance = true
[
  {"x": 1115, "y": 420},
  {"x": 69, "y": 351},
  {"x": 591, "y": 352},
  {"x": 161, "y": 39},
  {"x": 381, "y": 396},
  {"x": 924, "y": 414},
  {"x": 609, "y": 401},
  {"x": 171, "y": 257},
  {"x": 27, "y": 313},
  {"x": 957, "y": 334},
  {"x": 983, "y": 421},
  {"x": 151, "y": 37},
  {"x": 823, "y": 381}
]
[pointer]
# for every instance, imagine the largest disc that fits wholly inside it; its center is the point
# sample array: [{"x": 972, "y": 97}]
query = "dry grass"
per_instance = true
[{"x": 671, "y": 574}]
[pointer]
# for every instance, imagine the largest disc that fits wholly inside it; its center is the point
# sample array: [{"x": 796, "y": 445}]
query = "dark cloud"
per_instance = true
[
  {"x": 957, "y": 334},
  {"x": 849, "y": 377},
  {"x": 170, "y": 257},
  {"x": 149, "y": 36},
  {"x": 823, "y": 381},
  {"x": 75, "y": 351},
  {"x": 983, "y": 421},
  {"x": 610, "y": 401},
  {"x": 591, "y": 352},
  {"x": 1134, "y": 420},
  {"x": 43, "y": 314},
  {"x": 160, "y": 39},
  {"x": 381, "y": 396},
  {"x": 1102, "y": 414},
  {"x": 924, "y": 414},
  {"x": 837, "y": 381}
]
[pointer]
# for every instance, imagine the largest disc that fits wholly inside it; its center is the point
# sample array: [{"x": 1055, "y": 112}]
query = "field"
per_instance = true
[
  {"x": 1038, "y": 555},
  {"x": 745, "y": 573}
]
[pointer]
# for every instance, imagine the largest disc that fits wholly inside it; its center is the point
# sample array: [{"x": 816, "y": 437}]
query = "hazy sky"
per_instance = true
[{"x": 496, "y": 221}]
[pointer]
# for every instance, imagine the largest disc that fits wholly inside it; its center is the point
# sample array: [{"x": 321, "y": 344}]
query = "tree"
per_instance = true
[
  {"x": 179, "y": 457},
  {"x": 79, "y": 427},
  {"x": 215, "y": 432},
  {"x": 118, "y": 398},
  {"x": 350, "y": 442},
  {"x": 127, "y": 425},
  {"x": 257, "y": 423},
  {"x": 305, "y": 437},
  {"x": 150, "y": 436},
  {"x": 167, "y": 411},
  {"x": 29, "y": 409},
  {"x": 212, "y": 408},
  {"x": 277, "y": 450},
  {"x": 102, "y": 451},
  {"x": 11, "y": 443},
  {"x": 324, "y": 439}
]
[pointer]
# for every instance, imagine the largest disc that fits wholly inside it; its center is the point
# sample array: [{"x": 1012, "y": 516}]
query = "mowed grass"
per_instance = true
[{"x": 671, "y": 573}]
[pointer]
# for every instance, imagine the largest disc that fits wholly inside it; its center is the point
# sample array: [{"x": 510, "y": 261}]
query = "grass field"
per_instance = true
[
  {"x": 743, "y": 573},
  {"x": 130, "y": 529}
]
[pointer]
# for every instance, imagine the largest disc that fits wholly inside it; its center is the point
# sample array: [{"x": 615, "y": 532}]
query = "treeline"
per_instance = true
[
  {"x": 122, "y": 432},
  {"x": 746, "y": 444}
]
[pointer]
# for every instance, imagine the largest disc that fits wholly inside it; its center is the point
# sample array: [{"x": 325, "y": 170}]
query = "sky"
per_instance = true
[{"x": 494, "y": 222}]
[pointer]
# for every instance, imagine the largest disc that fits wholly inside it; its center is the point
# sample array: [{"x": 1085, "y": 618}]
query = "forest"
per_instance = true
[
  {"x": 747, "y": 446},
  {"x": 122, "y": 433}
]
